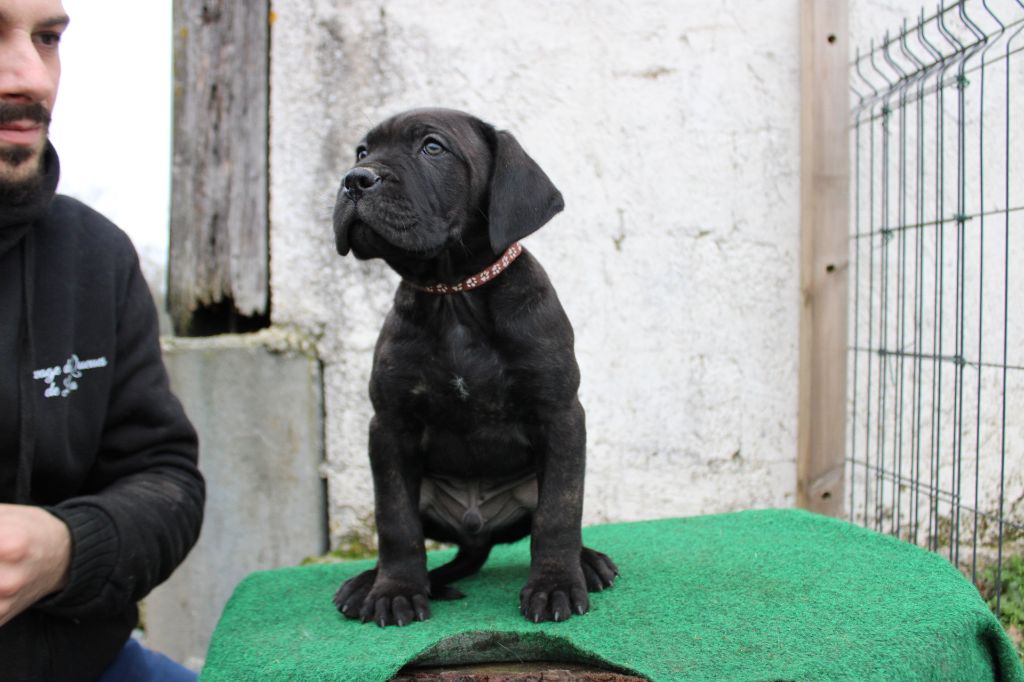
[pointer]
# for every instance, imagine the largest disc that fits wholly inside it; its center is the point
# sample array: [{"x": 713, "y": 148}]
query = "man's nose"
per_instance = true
[{"x": 24, "y": 76}]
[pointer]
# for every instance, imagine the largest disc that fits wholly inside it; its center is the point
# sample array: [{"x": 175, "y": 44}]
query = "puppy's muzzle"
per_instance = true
[{"x": 359, "y": 181}]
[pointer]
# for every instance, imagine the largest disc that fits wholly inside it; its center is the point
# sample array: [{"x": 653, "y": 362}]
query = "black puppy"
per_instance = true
[{"x": 478, "y": 435}]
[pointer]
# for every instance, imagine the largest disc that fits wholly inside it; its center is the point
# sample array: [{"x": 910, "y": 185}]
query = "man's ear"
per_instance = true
[{"x": 522, "y": 198}]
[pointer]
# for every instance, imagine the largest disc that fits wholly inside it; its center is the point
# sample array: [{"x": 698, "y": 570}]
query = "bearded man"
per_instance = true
[{"x": 100, "y": 494}]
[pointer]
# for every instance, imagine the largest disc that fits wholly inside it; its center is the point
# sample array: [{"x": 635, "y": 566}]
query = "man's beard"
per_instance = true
[
  {"x": 17, "y": 154},
  {"x": 20, "y": 165},
  {"x": 15, "y": 191}
]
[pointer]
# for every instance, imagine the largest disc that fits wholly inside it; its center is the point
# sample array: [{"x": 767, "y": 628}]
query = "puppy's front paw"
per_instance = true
[
  {"x": 554, "y": 595},
  {"x": 350, "y": 596},
  {"x": 385, "y": 601},
  {"x": 598, "y": 569}
]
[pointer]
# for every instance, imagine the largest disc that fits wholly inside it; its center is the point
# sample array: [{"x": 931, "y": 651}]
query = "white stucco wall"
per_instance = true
[{"x": 672, "y": 129}]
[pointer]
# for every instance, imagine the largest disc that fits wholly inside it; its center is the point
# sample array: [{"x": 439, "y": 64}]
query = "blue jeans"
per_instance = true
[{"x": 136, "y": 663}]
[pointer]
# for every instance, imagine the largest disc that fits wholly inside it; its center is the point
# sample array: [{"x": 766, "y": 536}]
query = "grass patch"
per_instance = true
[
  {"x": 347, "y": 550},
  {"x": 1010, "y": 596},
  {"x": 355, "y": 548}
]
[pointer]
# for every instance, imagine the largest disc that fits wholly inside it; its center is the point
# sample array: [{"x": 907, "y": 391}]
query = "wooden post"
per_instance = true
[
  {"x": 218, "y": 262},
  {"x": 824, "y": 213}
]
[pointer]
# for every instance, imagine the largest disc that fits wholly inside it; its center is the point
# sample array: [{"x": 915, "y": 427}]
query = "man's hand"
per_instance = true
[{"x": 35, "y": 553}]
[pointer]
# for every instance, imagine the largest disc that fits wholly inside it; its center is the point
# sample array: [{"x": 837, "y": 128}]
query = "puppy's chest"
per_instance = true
[{"x": 461, "y": 375}]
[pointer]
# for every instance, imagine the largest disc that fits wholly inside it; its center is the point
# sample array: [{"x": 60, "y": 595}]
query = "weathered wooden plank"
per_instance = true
[
  {"x": 824, "y": 198},
  {"x": 218, "y": 257}
]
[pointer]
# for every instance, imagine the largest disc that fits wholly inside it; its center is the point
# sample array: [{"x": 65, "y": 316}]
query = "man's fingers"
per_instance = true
[{"x": 35, "y": 555}]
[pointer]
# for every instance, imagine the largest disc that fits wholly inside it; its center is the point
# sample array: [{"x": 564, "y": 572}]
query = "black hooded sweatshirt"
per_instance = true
[{"x": 89, "y": 429}]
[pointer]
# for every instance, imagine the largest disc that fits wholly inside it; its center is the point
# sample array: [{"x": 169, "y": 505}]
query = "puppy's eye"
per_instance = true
[
  {"x": 432, "y": 148},
  {"x": 362, "y": 153}
]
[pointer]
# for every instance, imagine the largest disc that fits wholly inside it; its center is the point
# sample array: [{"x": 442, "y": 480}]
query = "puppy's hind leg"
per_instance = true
[{"x": 467, "y": 561}]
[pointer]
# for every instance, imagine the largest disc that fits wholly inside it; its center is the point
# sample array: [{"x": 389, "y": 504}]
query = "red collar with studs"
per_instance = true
[{"x": 477, "y": 280}]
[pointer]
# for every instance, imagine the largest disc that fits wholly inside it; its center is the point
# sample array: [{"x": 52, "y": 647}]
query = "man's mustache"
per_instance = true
[{"x": 36, "y": 112}]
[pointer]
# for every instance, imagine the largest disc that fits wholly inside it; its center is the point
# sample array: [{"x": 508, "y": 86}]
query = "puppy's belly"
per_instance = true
[
  {"x": 477, "y": 506},
  {"x": 477, "y": 482},
  {"x": 495, "y": 450}
]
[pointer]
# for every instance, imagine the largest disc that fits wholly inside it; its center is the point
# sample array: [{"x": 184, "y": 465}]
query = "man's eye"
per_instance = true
[
  {"x": 432, "y": 148},
  {"x": 48, "y": 39},
  {"x": 362, "y": 153}
]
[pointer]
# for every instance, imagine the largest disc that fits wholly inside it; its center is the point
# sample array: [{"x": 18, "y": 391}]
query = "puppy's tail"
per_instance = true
[{"x": 467, "y": 561}]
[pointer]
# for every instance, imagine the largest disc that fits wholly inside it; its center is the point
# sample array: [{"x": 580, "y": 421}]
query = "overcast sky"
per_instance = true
[{"x": 112, "y": 121}]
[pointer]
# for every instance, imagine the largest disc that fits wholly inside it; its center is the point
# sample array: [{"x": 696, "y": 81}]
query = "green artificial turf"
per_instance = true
[{"x": 761, "y": 595}]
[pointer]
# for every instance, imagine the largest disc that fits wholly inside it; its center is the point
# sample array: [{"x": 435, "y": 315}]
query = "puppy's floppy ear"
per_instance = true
[{"x": 522, "y": 198}]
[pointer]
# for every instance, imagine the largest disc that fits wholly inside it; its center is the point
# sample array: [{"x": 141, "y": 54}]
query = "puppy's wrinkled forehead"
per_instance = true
[{"x": 463, "y": 135}]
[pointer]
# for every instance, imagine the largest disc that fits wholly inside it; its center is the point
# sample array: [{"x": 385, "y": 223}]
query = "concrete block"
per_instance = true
[{"x": 256, "y": 402}]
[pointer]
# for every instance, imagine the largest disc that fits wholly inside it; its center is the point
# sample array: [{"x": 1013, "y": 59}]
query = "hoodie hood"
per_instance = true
[{"x": 16, "y": 218}]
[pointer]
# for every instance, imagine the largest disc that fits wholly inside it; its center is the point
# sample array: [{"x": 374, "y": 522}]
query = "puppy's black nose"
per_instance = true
[{"x": 359, "y": 181}]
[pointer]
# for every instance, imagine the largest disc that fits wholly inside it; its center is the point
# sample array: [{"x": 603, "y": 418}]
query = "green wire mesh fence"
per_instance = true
[{"x": 936, "y": 357}]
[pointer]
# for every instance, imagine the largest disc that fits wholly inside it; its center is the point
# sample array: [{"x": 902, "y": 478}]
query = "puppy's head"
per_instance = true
[{"x": 430, "y": 179}]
